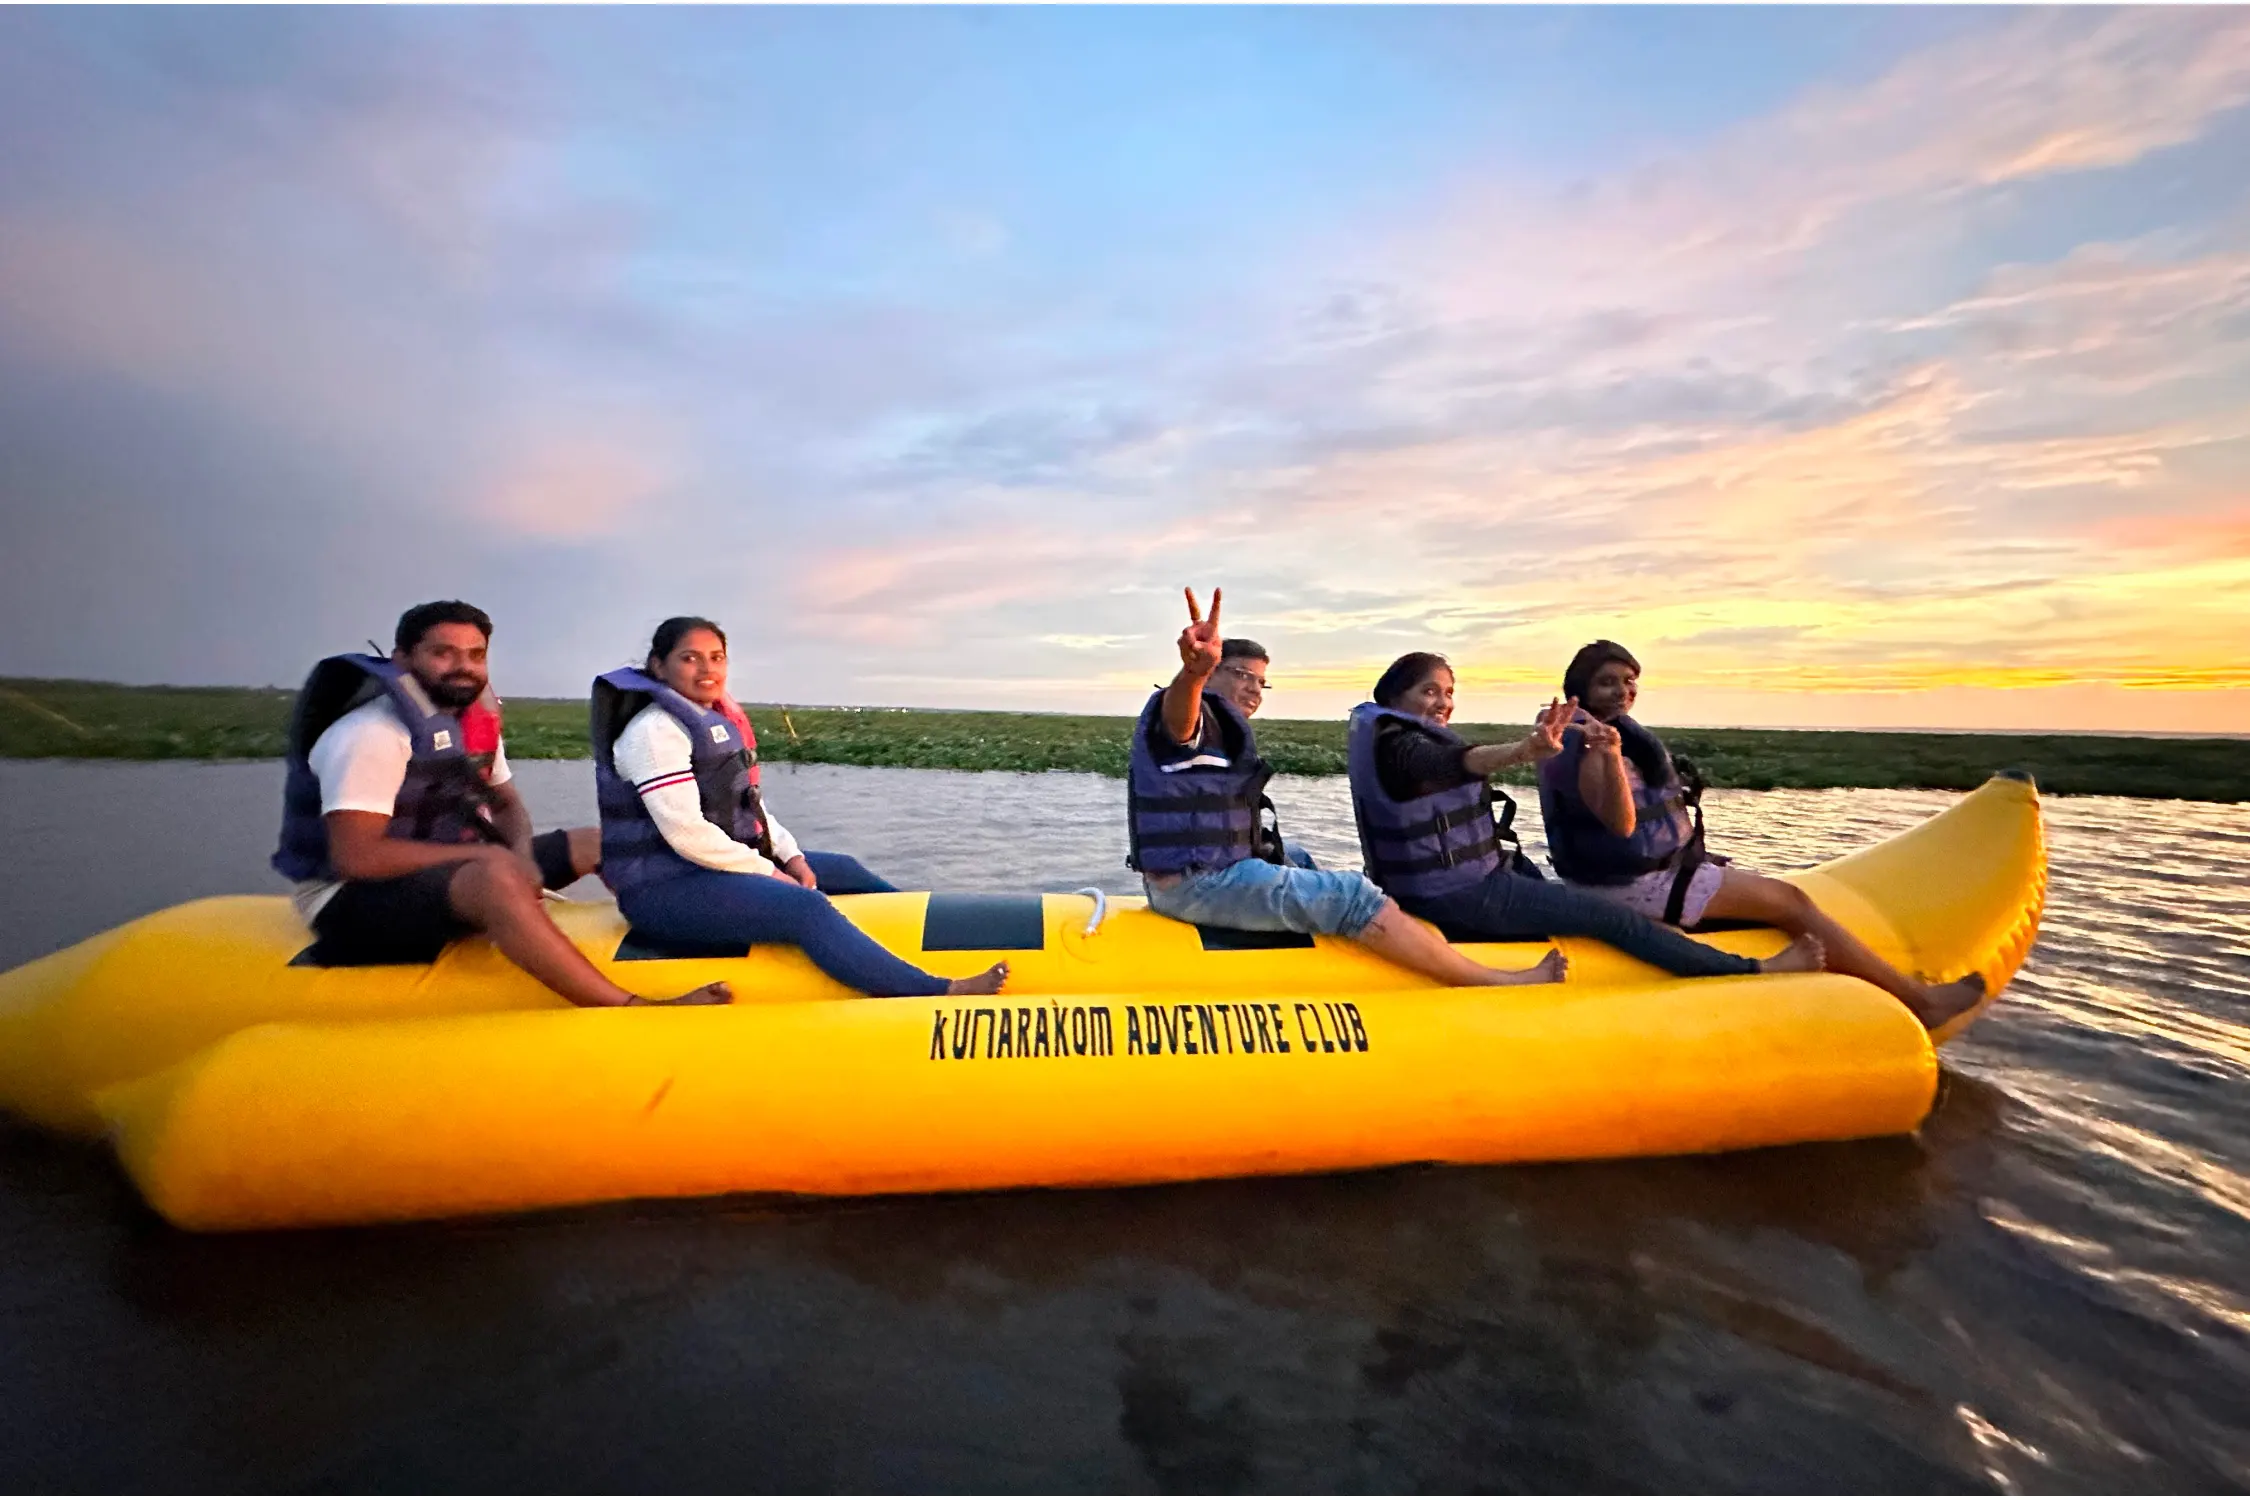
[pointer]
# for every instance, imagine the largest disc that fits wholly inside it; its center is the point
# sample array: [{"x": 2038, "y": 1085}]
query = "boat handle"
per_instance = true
[{"x": 1101, "y": 907}]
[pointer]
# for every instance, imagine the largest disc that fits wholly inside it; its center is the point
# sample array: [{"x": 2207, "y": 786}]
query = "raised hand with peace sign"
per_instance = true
[
  {"x": 1200, "y": 643},
  {"x": 1545, "y": 740},
  {"x": 1201, "y": 648},
  {"x": 1543, "y": 743}
]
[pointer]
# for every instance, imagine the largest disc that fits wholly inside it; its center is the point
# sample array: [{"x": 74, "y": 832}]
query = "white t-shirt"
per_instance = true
[
  {"x": 654, "y": 754},
  {"x": 360, "y": 761}
]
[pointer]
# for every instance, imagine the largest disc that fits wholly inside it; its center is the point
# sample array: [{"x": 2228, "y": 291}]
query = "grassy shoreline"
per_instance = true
[{"x": 43, "y": 718}]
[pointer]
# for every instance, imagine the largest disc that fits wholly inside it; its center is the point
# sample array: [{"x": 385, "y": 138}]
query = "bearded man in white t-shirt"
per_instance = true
[{"x": 402, "y": 827}]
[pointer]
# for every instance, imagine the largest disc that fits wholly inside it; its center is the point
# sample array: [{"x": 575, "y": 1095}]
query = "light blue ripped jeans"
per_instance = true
[{"x": 1255, "y": 896}]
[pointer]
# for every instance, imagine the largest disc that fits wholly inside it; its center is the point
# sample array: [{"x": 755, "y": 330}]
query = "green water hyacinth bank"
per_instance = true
[{"x": 111, "y": 721}]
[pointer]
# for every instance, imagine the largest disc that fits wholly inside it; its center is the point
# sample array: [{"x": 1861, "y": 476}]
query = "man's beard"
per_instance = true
[{"x": 453, "y": 696}]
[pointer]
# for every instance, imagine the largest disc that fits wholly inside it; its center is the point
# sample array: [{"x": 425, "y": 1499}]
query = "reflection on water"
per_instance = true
[{"x": 2043, "y": 1290}]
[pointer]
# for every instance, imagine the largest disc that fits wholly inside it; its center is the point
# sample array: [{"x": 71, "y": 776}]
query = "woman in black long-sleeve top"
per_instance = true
[{"x": 1426, "y": 826}]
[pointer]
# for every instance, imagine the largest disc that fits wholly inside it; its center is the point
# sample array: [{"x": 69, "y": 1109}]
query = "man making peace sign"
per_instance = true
[{"x": 1195, "y": 805}]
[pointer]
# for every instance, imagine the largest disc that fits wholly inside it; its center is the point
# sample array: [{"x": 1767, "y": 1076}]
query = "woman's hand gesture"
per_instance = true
[
  {"x": 1200, "y": 642},
  {"x": 1545, "y": 740},
  {"x": 1602, "y": 739}
]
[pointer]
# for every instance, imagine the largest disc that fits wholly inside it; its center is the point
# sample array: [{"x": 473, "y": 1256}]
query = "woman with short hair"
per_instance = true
[
  {"x": 687, "y": 844},
  {"x": 1426, "y": 826},
  {"x": 1623, "y": 824}
]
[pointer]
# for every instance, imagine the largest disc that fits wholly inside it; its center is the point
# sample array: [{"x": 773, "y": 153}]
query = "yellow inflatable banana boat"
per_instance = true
[{"x": 246, "y": 1085}]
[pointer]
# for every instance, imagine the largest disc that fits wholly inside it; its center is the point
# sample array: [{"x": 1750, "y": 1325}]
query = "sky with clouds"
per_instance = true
[{"x": 1854, "y": 367}]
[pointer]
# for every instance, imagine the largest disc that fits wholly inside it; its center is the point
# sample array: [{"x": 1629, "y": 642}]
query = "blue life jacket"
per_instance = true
[
  {"x": 634, "y": 851},
  {"x": 444, "y": 799},
  {"x": 1424, "y": 847},
  {"x": 1198, "y": 816},
  {"x": 1667, "y": 823}
]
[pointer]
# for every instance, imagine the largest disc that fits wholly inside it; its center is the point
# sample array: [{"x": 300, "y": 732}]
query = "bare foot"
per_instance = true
[
  {"x": 1943, "y": 1002},
  {"x": 987, "y": 983},
  {"x": 720, "y": 993},
  {"x": 1805, "y": 955},
  {"x": 1549, "y": 970}
]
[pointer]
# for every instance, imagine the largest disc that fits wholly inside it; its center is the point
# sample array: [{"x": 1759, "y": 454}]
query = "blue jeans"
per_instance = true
[
  {"x": 1507, "y": 908},
  {"x": 712, "y": 906},
  {"x": 1257, "y": 897}
]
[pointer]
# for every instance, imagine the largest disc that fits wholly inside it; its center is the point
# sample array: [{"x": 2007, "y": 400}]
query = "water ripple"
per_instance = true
[{"x": 2044, "y": 1290}]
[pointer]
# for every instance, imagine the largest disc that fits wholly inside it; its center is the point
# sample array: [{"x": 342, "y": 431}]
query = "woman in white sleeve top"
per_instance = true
[{"x": 687, "y": 844}]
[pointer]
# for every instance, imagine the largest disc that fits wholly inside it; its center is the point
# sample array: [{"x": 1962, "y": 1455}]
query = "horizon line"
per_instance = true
[{"x": 1057, "y": 713}]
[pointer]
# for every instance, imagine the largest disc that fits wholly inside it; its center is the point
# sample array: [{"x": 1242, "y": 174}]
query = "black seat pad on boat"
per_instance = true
[
  {"x": 638, "y": 946},
  {"x": 320, "y": 956},
  {"x": 1236, "y": 940},
  {"x": 984, "y": 924}
]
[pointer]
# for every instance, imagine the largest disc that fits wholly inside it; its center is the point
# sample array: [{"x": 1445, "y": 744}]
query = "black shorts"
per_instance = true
[{"x": 410, "y": 920}]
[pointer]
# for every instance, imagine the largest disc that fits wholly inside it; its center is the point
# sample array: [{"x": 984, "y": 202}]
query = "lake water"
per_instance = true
[{"x": 2048, "y": 1289}]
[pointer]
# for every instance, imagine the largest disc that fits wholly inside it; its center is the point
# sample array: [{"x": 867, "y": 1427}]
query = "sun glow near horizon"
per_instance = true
[{"x": 1854, "y": 367}]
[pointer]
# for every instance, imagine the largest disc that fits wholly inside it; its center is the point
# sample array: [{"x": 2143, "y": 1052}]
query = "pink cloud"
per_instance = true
[
  {"x": 578, "y": 486},
  {"x": 2225, "y": 535},
  {"x": 2118, "y": 318},
  {"x": 1845, "y": 168}
]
